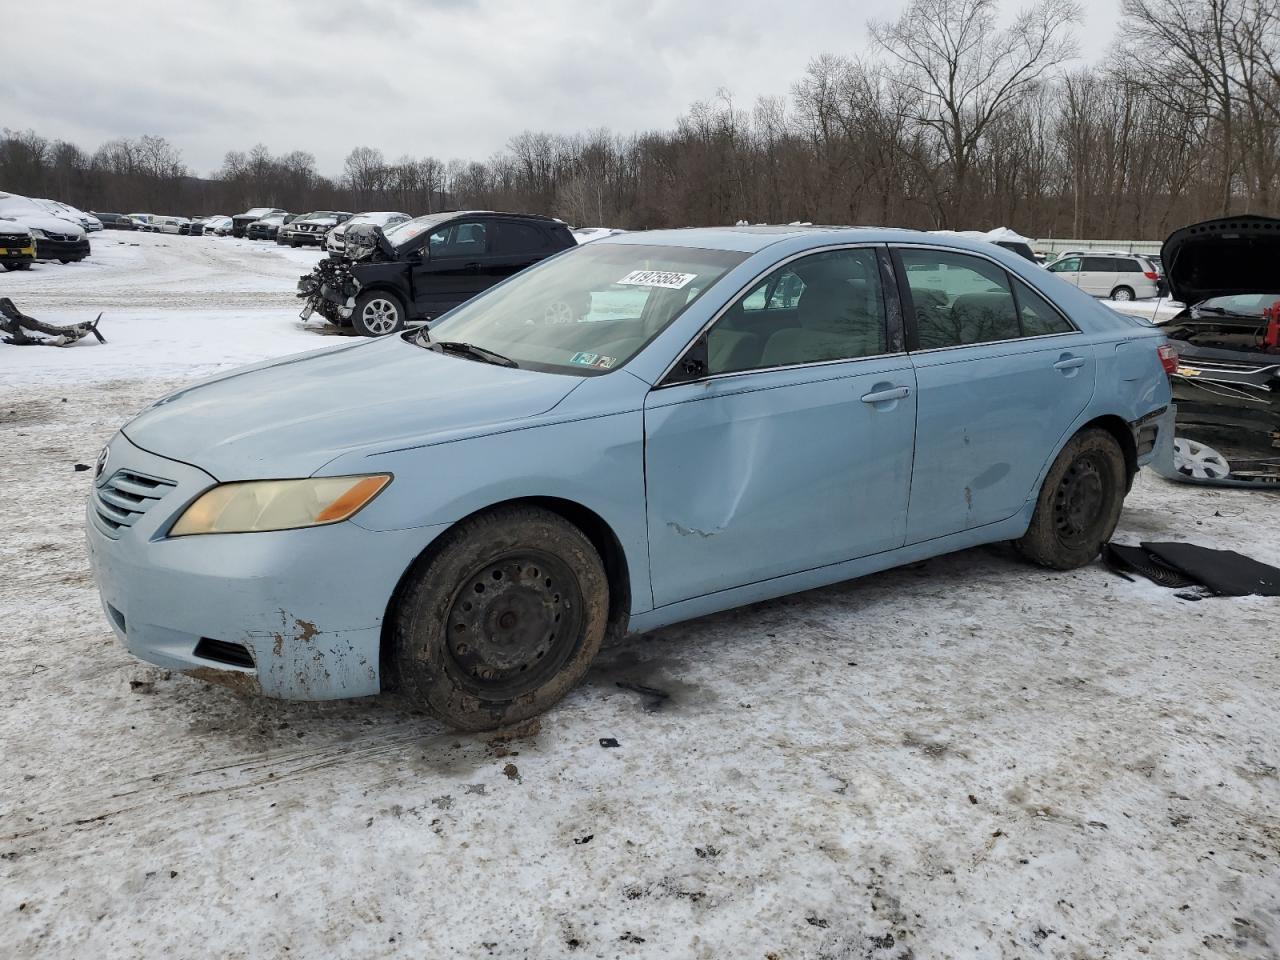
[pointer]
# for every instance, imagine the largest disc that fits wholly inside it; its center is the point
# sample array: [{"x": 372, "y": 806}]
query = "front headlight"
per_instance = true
[
  {"x": 37, "y": 232},
  {"x": 259, "y": 505}
]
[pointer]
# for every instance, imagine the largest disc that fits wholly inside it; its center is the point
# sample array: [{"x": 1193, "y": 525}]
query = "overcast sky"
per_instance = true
[{"x": 446, "y": 78}]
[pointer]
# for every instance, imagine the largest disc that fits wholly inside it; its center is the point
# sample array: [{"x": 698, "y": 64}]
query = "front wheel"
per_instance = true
[
  {"x": 1122, "y": 293},
  {"x": 502, "y": 620},
  {"x": 377, "y": 314},
  {"x": 1079, "y": 503}
]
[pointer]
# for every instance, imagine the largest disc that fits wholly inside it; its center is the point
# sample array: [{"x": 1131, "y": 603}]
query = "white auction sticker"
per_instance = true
[{"x": 657, "y": 278}]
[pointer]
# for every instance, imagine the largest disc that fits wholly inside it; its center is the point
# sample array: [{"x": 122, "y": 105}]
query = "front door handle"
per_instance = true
[
  {"x": 880, "y": 396},
  {"x": 474, "y": 265},
  {"x": 1069, "y": 363}
]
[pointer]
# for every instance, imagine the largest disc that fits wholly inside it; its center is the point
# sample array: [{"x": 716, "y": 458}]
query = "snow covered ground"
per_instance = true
[
  {"x": 969, "y": 757},
  {"x": 1156, "y": 310}
]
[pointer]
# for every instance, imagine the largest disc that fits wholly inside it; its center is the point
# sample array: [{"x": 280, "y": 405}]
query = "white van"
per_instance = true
[{"x": 1118, "y": 276}]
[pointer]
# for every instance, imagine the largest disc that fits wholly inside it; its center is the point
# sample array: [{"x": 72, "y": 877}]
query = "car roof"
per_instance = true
[{"x": 754, "y": 239}]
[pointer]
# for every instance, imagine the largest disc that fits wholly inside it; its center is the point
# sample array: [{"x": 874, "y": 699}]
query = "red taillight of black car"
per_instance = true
[{"x": 1168, "y": 355}]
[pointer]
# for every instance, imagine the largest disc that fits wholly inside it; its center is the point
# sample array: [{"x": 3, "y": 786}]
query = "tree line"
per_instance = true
[{"x": 949, "y": 120}]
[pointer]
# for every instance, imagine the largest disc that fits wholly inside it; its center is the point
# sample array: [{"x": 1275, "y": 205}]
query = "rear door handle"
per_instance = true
[
  {"x": 880, "y": 396},
  {"x": 1069, "y": 363}
]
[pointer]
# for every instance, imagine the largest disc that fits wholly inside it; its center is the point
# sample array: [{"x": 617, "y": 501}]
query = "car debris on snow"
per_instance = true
[
  {"x": 1222, "y": 573},
  {"x": 26, "y": 331}
]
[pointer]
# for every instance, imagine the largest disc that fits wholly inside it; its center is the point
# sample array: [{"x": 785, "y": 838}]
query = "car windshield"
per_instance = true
[
  {"x": 404, "y": 232},
  {"x": 590, "y": 310},
  {"x": 1242, "y": 304}
]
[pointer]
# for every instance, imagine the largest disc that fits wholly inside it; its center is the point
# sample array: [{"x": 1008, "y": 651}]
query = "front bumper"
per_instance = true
[
  {"x": 307, "y": 605},
  {"x": 300, "y": 236},
  {"x": 12, "y": 254},
  {"x": 49, "y": 249}
]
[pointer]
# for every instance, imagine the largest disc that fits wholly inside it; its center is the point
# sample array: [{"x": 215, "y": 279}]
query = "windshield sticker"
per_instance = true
[
  {"x": 593, "y": 360},
  {"x": 657, "y": 278}
]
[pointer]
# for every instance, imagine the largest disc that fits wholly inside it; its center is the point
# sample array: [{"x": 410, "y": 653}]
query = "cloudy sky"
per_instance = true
[{"x": 446, "y": 78}]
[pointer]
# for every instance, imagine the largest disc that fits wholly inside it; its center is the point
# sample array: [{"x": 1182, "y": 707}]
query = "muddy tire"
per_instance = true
[
  {"x": 378, "y": 314},
  {"x": 1079, "y": 503},
  {"x": 500, "y": 620}
]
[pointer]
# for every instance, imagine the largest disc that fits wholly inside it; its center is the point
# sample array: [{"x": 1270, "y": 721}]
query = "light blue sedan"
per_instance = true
[{"x": 642, "y": 430}]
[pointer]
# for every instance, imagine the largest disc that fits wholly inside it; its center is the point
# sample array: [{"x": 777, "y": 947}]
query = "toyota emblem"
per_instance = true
[{"x": 102, "y": 463}]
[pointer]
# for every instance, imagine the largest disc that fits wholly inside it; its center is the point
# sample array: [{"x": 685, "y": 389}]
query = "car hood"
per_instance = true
[
  {"x": 287, "y": 418},
  {"x": 1219, "y": 258},
  {"x": 46, "y": 222},
  {"x": 322, "y": 221},
  {"x": 8, "y": 225}
]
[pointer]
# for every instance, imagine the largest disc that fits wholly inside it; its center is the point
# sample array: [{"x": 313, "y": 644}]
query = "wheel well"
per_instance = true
[
  {"x": 1124, "y": 437},
  {"x": 385, "y": 288},
  {"x": 588, "y": 521}
]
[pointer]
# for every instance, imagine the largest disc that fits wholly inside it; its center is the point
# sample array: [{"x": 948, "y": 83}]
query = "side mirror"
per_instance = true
[{"x": 694, "y": 365}]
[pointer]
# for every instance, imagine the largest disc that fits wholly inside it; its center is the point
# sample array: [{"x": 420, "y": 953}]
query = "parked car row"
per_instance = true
[{"x": 32, "y": 232}]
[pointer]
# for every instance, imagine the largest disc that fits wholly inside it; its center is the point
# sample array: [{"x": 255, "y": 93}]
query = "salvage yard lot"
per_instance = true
[{"x": 970, "y": 757}]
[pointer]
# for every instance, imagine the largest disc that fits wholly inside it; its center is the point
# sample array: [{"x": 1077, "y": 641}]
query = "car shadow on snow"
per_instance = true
[{"x": 665, "y": 672}]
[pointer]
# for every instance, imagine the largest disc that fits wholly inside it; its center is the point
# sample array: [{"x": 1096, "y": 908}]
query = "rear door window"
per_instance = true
[
  {"x": 517, "y": 239},
  {"x": 1037, "y": 317},
  {"x": 1098, "y": 265},
  {"x": 959, "y": 299}
]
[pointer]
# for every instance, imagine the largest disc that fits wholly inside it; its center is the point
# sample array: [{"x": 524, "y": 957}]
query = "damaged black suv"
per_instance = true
[{"x": 419, "y": 269}]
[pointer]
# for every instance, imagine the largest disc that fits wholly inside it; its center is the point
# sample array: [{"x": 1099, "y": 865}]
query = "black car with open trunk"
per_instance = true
[{"x": 1227, "y": 382}]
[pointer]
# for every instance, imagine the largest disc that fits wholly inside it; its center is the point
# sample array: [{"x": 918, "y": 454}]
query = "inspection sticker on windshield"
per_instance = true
[
  {"x": 657, "y": 278},
  {"x": 593, "y": 360}
]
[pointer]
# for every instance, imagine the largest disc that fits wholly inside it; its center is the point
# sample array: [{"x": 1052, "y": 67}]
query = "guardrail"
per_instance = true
[{"x": 1120, "y": 246}]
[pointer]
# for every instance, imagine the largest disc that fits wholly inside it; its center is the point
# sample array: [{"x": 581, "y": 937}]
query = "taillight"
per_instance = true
[
  {"x": 1151, "y": 275},
  {"x": 1168, "y": 355}
]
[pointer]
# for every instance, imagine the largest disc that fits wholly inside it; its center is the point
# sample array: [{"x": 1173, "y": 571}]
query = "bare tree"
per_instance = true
[{"x": 963, "y": 73}]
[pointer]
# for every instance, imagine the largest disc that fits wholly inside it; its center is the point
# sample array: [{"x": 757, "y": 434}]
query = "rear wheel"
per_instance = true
[
  {"x": 1122, "y": 293},
  {"x": 502, "y": 620},
  {"x": 1079, "y": 503},
  {"x": 377, "y": 314}
]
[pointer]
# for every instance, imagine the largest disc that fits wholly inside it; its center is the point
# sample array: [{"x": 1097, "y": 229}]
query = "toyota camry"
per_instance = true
[{"x": 648, "y": 428}]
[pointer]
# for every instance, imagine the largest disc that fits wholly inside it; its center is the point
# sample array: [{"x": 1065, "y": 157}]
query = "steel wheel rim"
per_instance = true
[
  {"x": 1079, "y": 500},
  {"x": 380, "y": 316},
  {"x": 513, "y": 623}
]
